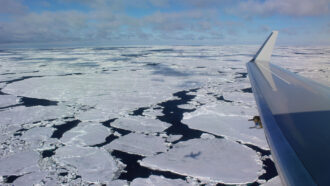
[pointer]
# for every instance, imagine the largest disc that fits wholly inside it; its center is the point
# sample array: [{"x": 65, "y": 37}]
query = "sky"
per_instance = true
[{"x": 163, "y": 22}]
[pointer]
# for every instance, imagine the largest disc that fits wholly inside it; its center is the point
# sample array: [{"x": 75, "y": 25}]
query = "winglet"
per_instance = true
[{"x": 266, "y": 49}]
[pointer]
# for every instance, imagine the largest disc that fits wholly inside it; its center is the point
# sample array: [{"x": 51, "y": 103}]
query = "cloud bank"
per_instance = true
[{"x": 148, "y": 21}]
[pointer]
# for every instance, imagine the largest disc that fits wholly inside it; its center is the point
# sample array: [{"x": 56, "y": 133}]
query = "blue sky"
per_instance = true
[{"x": 163, "y": 22}]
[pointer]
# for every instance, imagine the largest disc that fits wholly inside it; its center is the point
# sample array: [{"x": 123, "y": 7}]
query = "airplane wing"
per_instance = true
[{"x": 295, "y": 112}]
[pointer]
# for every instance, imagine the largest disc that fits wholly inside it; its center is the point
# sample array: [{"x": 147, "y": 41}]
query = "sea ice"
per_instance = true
[
  {"x": 92, "y": 164},
  {"x": 95, "y": 115},
  {"x": 7, "y": 100},
  {"x": 244, "y": 98},
  {"x": 37, "y": 135},
  {"x": 276, "y": 181},
  {"x": 32, "y": 178},
  {"x": 20, "y": 163},
  {"x": 172, "y": 138},
  {"x": 22, "y": 115},
  {"x": 86, "y": 134},
  {"x": 235, "y": 128},
  {"x": 140, "y": 124},
  {"x": 158, "y": 181},
  {"x": 214, "y": 160},
  {"x": 140, "y": 144}
]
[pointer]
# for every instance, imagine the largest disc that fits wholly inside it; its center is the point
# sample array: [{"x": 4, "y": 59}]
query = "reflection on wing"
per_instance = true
[{"x": 295, "y": 112}]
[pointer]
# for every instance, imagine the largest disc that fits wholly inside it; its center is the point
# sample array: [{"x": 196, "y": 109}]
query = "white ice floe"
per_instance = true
[
  {"x": 117, "y": 183},
  {"x": 22, "y": 115},
  {"x": 158, "y": 181},
  {"x": 140, "y": 144},
  {"x": 207, "y": 136},
  {"x": 223, "y": 109},
  {"x": 215, "y": 160},
  {"x": 37, "y": 135},
  {"x": 95, "y": 115},
  {"x": 172, "y": 138},
  {"x": 86, "y": 134},
  {"x": 7, "y": 100},
  {"x": 31, "y": 178},
  {"x": 244, "y": 98},
  {"x": 22, "y": 162},
  {"x": 140, "y": 124},
  {"x": 235, "y": 128},
  {"x": 115, "y": 92},
  {"x": 92, "y": 164},
  {"x": 276, "y": 181},
  {"x": 230, "y": 121}
]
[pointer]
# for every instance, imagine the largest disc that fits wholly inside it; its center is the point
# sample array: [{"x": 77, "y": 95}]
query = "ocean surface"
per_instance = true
[{"x": 162, "y": 115}]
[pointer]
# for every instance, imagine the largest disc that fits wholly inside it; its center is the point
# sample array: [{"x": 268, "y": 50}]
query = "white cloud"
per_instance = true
[
  {"x": 284, "y": 7},
  {"x": 12, "y": 7}
]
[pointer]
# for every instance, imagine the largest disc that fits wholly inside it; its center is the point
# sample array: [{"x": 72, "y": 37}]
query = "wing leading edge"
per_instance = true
[{"x": 295, "y": 112}]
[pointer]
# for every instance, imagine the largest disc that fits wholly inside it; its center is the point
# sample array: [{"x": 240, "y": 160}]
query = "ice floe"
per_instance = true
[
  {"x": 158, "y": 181},
  {"x": 21, "y": 115},
  {"x": 140, "y": 144},
  {"x": 37, "y": 135},
  {"x": 7, "y": 100},
  {"x": 140, "y": 124},
  {"x": 95, "y": 115},
  {"x": 214, "y": 160},
  {"x": 31, "y": 178},
  {"x": 229, "y": 121},
  {"x": 92, "y": 164},
  {"x": 276, "y": 181},
  {"x": 86, "y": 134},
  {"x": 20, "y": 163}
]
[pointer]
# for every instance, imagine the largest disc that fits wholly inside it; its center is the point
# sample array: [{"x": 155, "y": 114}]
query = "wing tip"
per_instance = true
[{"x": 266, "y": 49}]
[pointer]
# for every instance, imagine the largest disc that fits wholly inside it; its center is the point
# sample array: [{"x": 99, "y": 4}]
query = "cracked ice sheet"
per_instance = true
[
  {"x": 86, "y": 134},
  {"x": 211, "y": 160},
  {"x": 140, "y": 144},
  {"x": 22, "y": 115},
  {"x": 158, "y": 181},
  {"x": 140, "y": 124},
  {"x": 92, "y": 164}
]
